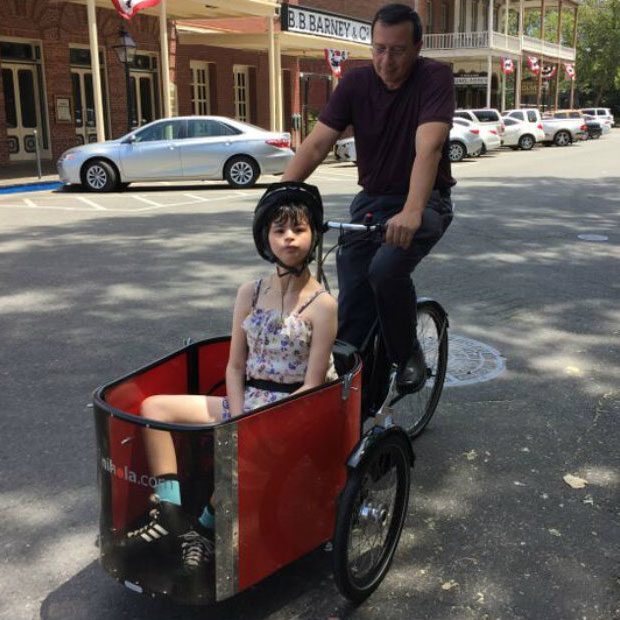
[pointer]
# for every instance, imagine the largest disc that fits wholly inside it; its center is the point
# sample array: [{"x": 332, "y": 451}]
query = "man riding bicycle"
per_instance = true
[{"x": 401, "y": 110}]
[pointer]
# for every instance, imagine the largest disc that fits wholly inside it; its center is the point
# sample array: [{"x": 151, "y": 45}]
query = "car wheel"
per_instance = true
[
  {"x": 483, "y": 150},
  {"x": 241, "y": 171},
  {"x": 562, "y": 138},
  {"x": 99, "y": 175},
  {"x": 526, "y": 142},
  {"x": 457, "y": 152}
]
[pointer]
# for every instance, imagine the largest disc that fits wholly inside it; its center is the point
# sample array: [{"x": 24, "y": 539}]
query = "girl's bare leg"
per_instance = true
[{"x": 175, "y": 409}]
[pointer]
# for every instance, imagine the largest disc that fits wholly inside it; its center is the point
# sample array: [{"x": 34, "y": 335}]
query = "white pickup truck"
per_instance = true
[{"x": 558, "y": 131}]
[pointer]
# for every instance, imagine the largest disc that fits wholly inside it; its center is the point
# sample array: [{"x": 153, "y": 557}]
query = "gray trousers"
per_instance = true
[{"x": 375, "y": 278}]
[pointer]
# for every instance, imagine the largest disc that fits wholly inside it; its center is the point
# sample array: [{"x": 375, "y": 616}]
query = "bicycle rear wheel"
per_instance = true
[{"x": 413, "y": 411}]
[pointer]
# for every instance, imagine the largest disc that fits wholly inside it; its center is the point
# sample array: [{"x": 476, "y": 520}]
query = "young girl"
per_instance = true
[{"x": 284, "y": 327}]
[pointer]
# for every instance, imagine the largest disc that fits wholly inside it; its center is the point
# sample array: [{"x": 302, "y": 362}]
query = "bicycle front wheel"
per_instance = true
[{"x": 413, "y": 411}]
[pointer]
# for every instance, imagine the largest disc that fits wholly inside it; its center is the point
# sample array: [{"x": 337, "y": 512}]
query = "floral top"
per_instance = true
[{"x": 278, "y": 350}]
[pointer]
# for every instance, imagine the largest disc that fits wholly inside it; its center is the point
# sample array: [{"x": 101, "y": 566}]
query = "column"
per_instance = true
[
  {"x": 457, "y": 15},
  {"x": 557, "y": 75},
  {"x": 572, "y": 82},
  {"x": 278, "y": 81},
  {"x": 94, "y": 60},
  {"x": 489, "y": 78},
  {"x": 542, "y": 58},
  {"x": 518, "y": 78},
  {"x": 165, "y": 58},
  {"x": 272, "y": 75}
]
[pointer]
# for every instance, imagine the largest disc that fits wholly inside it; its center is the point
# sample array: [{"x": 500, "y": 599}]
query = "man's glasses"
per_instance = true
[{"x": 396, "y": 52}]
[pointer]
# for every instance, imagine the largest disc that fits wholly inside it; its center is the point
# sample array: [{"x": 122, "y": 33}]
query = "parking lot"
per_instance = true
[{"x": 95, "y": 285}]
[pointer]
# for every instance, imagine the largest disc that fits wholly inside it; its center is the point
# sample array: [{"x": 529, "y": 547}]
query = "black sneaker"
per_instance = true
[
  {"x": 196, "y": 549},
  {"x": 411, "y": 375},
  {"x": 167, "y": 521}
]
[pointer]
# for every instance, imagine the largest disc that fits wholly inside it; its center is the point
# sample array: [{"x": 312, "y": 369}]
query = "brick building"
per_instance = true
[{"x": 247, "y": 59}]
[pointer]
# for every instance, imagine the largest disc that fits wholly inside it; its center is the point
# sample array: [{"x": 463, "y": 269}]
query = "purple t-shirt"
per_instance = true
[{"x": 385, "y": 122}]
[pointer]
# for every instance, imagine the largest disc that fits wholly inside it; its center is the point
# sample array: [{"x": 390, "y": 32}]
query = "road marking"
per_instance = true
[
  {"x": 198, "y": 198},
  {"x": 30, "y": 204},
  {"x": 91, "y": 203},
  {"x": 147, "y": 201}
]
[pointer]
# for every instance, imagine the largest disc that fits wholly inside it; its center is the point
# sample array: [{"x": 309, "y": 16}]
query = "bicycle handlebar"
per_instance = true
[{"x": 345, "y": 226}]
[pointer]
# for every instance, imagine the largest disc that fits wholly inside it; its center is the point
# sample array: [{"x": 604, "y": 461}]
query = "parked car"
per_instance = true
[
  {"x": 521, "y": 135},
  {"x": 595, "y": 129},
  {"x": 345, "y": 150},
  {"x": 602, "y": 115},
  {"x": 559, "y": 124},
  {"x": 485, "y": 117},
  {"x": 180, "y": 148},
  {"x": 531, "y": 126},
  {"x": 558, "y": 131},
  {"x": 592, "y": 120},
  {"x": 489, "y": 135},
  {"x": 464, "y": 142}
]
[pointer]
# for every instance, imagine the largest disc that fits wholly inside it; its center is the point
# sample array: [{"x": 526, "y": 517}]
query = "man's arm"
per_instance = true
[
  {"x": 311, "y": 153},
  {"x": 429, "y": 141}
]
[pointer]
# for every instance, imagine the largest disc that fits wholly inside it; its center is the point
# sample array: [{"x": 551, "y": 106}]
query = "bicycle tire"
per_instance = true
[
  {"x": 414, "y": 411},
  {"x": 371, "y": 514}
]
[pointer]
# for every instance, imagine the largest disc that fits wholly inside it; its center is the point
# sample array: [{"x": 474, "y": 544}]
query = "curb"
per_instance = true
[{"x": 30, "y": 187}]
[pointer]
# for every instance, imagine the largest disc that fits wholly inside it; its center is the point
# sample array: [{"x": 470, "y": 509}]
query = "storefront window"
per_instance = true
[
  {"x": 16, "y": 51},
  {"x": 25, "y": 78},
  {"x": 10, "y": 111}
]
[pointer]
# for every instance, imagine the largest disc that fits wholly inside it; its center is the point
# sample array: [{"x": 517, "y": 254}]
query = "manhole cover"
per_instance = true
[
  {"x": 470, "y": 361},
  {"x": 592, "y": 237}
]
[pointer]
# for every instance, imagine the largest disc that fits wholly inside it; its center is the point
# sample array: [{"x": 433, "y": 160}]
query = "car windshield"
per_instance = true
[{"x": 486, "y": 116}]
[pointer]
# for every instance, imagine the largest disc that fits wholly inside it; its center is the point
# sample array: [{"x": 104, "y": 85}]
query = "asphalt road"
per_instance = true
[{"x": 94, "y": 286}]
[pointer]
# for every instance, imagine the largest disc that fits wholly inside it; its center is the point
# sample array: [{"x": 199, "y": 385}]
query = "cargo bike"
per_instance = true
[{"x": 329, "y": 465}]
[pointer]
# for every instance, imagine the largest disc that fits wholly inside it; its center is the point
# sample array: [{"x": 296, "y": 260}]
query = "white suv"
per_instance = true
[
  {"x": 602, "y": 115},
  {"x": 489, "y": 117},
  {"x": 530, "y": 116}
]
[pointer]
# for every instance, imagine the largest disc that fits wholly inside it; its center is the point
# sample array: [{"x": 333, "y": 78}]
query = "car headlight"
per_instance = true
[{"x": 67, "y": 156}]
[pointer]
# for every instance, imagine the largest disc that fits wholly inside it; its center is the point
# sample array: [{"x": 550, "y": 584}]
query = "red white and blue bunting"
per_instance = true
[
  {"x": 335, "y": 60},
  {"x": 533, "y": 64},
  {"x": 128, "y": 8},
  {"x": 507, "y": 65},
  {"x": 569, "y": 67},
  {"x": 548, "y": 71}
]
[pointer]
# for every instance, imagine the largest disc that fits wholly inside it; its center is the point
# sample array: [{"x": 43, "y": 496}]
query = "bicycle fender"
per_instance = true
[
  {"x": 375, "y": 434},
  {"x": 428, "y": 301}
]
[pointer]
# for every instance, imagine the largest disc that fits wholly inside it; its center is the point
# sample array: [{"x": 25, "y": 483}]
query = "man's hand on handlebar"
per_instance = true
[{"x": 402, "y": 227}]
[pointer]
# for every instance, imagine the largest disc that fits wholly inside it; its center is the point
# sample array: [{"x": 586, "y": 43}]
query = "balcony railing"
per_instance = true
[{"x": 498, "y": 41}]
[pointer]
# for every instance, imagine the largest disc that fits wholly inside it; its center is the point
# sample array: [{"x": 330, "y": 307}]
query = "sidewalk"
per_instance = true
[{"x": 25, "y": 174}]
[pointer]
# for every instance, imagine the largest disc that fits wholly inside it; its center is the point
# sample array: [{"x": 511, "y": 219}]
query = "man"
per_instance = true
[{"x": 401, "y": 111}]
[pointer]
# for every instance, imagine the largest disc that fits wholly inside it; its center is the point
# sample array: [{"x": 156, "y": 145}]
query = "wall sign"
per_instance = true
[
  {"x": 470, "y": 80},
  {"x": 295, "y": 18},
  {"x": 63, "y": 109}
]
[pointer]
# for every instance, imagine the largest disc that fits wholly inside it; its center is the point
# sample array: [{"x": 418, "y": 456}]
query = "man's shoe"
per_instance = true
[
  {"x": 196, "y": 549},
  {"x": 167, "y": 521},
  {"x": 411, "y": 375}
]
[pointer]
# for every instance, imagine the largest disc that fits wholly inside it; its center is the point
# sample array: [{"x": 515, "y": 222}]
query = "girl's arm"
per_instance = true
[
  {"x": 235, "y": 369},
  {"x": 324, "y": 318}
]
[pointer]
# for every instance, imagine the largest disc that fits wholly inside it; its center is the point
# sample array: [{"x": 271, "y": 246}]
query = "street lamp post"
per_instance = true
[{"x": 126, "y": 52}]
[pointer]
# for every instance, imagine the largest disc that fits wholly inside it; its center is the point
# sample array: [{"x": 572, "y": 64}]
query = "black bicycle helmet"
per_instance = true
[{"x": 287, "y": 193}]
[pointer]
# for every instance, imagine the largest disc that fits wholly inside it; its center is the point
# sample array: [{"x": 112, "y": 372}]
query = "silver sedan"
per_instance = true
[{"x": 180, "y": 148}]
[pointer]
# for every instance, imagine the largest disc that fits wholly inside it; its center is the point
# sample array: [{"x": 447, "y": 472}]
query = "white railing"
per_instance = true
[
  {"x": 498, "y": 41},
  {"x": 531, "y": 45},
  {"x": 456, "y": 40},
  {"x": 505, "y": 42}
]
